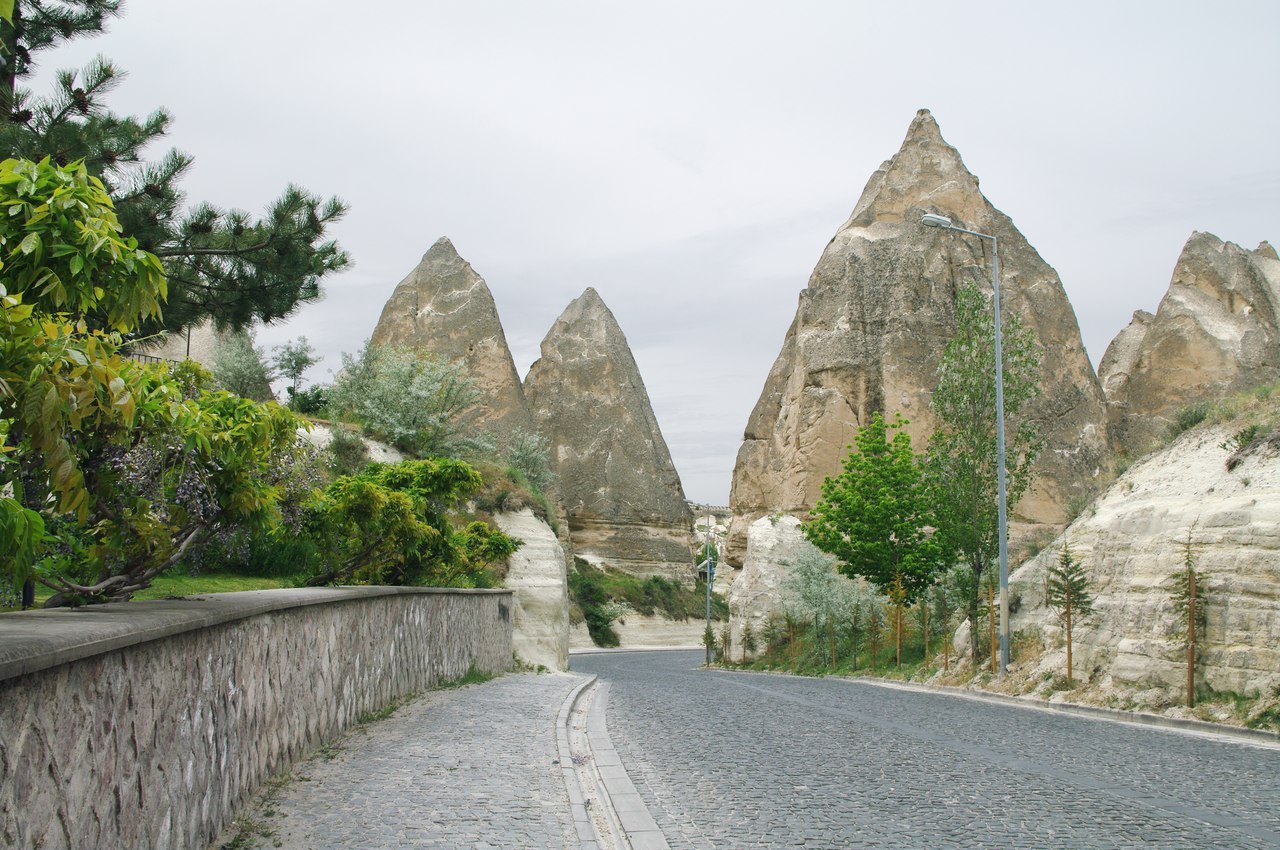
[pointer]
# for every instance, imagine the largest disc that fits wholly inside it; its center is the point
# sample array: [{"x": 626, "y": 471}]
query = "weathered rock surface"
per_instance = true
[
  {"x": 443, "y": 307},
  {"x": 773, "y": 544},
  {"x": 618, "y": 484},
  {"x": 536, "y": 573},
  {"x": 1216, "y": 333},
  {"x": 647, "y": 631},
  {"x": 873, "y": 323},
  {"x": 1131, "y": 542}
]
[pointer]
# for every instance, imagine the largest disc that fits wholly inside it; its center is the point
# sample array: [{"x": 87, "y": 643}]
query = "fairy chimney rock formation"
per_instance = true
[
  {"x": 873, "y": 323},
  {"x": 617, "y": 482},
  {"x": 1216, "y": 333},
  {"x": 444, "y": 308}
]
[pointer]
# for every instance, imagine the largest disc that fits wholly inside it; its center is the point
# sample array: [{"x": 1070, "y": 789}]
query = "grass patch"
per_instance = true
[{"x": 471, "y": 677}]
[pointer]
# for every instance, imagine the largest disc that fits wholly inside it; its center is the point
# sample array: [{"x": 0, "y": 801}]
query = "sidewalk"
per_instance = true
[{"x": 470, "y": 768}]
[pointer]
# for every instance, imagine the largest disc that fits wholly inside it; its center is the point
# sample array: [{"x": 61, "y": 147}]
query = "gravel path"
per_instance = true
[{"x": 468, "y": 768}]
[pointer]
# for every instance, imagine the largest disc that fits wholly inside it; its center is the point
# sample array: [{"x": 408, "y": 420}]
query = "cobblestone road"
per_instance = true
[
  {"x": 466, "y": 768},
  {"x": 738, "y": 760}
]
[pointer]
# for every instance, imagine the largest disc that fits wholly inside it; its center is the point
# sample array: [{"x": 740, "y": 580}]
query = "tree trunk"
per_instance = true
[
  {"x": 1191, "y": 638},
  {"x": 1068, "y": 640},
  {"x": 925, "y": 605},
  {"x": 9, "y": 54},
  {"x": 897, "y": 613}
]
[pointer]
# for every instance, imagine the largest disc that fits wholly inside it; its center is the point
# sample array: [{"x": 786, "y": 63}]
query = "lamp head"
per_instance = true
[{"x": 934, "y": 220}]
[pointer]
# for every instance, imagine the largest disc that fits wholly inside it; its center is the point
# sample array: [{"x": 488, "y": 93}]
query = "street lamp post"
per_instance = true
[
  {"x": 933, "y": 220},
  {"x": 709, "y": 565}
]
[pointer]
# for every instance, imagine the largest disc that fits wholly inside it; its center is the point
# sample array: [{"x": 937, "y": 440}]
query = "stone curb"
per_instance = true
[
  {"x": 639, "y": 829},
  {"x": 1114, "y": 715},
  {"x": 582, "y": 823},
  {"x": 31, "y": 641}
]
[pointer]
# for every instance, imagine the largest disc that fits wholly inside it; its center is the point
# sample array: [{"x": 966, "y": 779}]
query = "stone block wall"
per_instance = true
[{"x": 146, "y": 724}]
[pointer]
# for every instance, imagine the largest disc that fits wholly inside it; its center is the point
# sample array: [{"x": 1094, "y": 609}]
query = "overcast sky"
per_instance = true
[{"x": 691, "y": 160}]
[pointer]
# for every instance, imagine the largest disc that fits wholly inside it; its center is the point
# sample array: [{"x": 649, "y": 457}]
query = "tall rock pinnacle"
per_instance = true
[
  {"x": 871, "y": 327},
  {"x": 1216, "y": 332},
  {"x": 619, "y": 487},
  {"x": 443, "y": 307}
]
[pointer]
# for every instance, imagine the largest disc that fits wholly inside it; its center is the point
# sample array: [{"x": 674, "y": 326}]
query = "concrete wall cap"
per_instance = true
[{"x": 31, "y": 641}]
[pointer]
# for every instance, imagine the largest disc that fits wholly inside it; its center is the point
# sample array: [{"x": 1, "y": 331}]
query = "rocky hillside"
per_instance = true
[
  {"x": 619, "y": 487},
  {"x": 445, "y": 308},
  {"x": 871, "y": 327},
  {"x": 1132, "y": 539},
  {"x": 1216, "y": 333}
]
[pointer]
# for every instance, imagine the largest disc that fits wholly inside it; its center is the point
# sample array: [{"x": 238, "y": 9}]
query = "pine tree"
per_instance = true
[
  {"x": 222, "y": 265},
  {"x": 1188, "y": 594},
  {"x": 1067, "y": 593}
]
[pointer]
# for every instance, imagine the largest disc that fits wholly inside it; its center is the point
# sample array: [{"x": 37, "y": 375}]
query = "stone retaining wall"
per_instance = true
[{"x": 146, "y": 724}]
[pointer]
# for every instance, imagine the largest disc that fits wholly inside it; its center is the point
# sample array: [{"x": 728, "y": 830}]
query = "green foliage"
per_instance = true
[
  {"x": 388, "y": 524},
  {"x": 603, "y": 594},
  {"x": 240, "y": 367},
  {"x": 313, "y": 401},
  {"x": 127, "y": 465},
  {"x": 410, "y": 400},
  {"x": 1189, "y": 417},
  {"x": 530, "y": 454},
  {"x": 292, "y": 359},
  {"x": 962, "y": 457},
  {"x": 1066, "y": 589},
  {"x": 221, "y": 264},
  {"x": 874, "y": 515},
  {"x": 1187, "y": 585},
  {"x": 749, "y": 643},
  {"x": 348, "y": 451}
]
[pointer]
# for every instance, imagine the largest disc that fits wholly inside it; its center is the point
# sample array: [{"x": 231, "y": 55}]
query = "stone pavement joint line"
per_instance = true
[{"x": 476, "y": 767}]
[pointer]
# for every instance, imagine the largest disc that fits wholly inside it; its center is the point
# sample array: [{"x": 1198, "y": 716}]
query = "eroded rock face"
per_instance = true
[
  {"x": 873, "y": 323},
  {"x": 1131, "y": 542},
  {"x": 445, "y": 308},
  {"x": 536, "y": 573},
  {"x": 773, "y": 545},
  {"x": 1216, "y": 333},
  {"x": 618, "y": 484}
]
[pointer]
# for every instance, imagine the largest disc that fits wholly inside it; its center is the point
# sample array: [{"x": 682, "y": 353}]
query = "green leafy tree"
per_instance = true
[
  {"x": 224, "y": 265},
  {"x": 1066, "y": 591},
  {"x": 962, "y": 451},
  {"x": 876, "y": 516},
  {"x": 111, "y": 470},
  {"x": 409, "y": 399},
  {"x": 292, "y": 359},
  {"x": 1188, "y": 594},
  {"x": 389, "y": 524},
  {"x": 240, "y": 367}
]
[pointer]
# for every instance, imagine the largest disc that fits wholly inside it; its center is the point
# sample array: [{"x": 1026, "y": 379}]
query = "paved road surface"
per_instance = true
[{"x": 737, "y": 760}]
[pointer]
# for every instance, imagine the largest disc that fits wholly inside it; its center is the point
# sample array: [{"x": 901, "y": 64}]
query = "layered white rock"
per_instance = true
[
  {"x": 773, "y": 544},
  {"x": 536, "y": 572},
  {"x": 1131, "y": 542}
]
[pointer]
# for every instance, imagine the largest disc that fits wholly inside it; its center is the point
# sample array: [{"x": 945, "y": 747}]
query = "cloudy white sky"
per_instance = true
[{"x": 691, "y": 159}]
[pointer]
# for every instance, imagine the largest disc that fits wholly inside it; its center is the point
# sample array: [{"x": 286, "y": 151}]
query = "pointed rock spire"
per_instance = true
[
  {"x": 1216, "y": 333},
  {"x": 444, "y": 308},
  {"x": 871, "y": 327},
  {"x": 619, "y": 486}
]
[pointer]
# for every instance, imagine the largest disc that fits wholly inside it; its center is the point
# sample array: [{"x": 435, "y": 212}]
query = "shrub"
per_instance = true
[
  {"x": 313, "y": 401},
  {"x": 348, "y": 451},
  {"x": 240, "y": 367},
  {"x": 1189, "y": 417}
]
